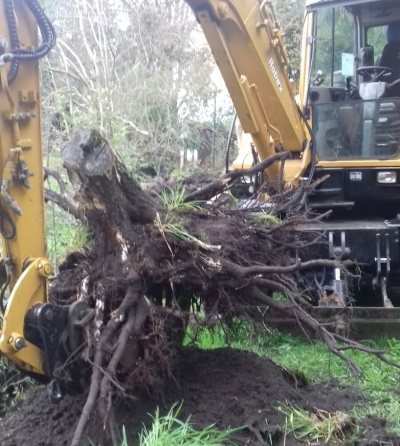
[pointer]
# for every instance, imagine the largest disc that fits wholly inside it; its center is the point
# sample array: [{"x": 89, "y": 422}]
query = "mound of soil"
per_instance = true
[{"x": 227, "y": 387}]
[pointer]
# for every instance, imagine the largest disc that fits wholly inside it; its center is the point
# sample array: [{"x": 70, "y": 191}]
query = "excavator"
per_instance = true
[{"x": 341, "y": 124}]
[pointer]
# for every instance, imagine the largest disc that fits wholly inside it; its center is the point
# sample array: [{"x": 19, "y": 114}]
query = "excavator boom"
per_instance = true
[{"x": 246, "y": 41}]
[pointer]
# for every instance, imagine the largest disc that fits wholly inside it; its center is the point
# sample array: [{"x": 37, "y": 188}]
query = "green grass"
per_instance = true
[
  {"x": 379, "y": 383},
  {"x": 173, "y": 199},
  {"x": 170, "y": 430},
  {"x": 267, "y": 219},
  {"x": 318, "y": 426},
  {"x": 12, "y": 385},
  {"x": 63, "y": 234}
]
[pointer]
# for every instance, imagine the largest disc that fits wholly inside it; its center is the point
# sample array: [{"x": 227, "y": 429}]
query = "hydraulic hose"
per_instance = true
[
  {"x": 12, "y": 29},
  {"x": 313, "y": 146},
  {"x": 229, "y": 142},
  {"x": 47, "y": 31}
]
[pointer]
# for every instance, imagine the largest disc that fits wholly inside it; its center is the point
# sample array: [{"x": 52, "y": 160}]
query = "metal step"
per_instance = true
[
  {"x": 359, "y": 322},
  {"x": 327, "y": 191},
  {"x": 331, "y": 204}
]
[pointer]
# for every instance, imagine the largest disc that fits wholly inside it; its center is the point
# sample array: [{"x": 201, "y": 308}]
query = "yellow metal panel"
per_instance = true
[
  {"x": 359, "y": 163},
  {"x": 305, "y": 61},
  {"x": 30, "y": 289},
  {"x": 29, "y": 241},
  {"x": 23, "y": 138}
]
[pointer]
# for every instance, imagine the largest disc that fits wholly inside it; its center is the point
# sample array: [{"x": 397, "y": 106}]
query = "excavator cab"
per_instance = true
[
  {"x": 352, "y": 80},
  {"x": 350, "y": 92}
]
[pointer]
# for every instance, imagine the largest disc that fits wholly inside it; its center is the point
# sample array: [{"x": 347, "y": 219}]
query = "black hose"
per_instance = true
[
  {"x": 313, "y": 146},
  {"x": 14, "y": 42},
  {"x": 46, "y": 30},
  {"x": 5, "y": 219},
  {"x": 228, "y": 145},
  {"x": 2, "y": 293}
]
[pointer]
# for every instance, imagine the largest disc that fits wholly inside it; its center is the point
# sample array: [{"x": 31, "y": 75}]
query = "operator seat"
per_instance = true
[{"x": 391, "y": 57}]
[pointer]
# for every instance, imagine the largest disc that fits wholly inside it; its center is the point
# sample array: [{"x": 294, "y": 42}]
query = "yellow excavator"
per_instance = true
[{"x": 344, "y": 123}]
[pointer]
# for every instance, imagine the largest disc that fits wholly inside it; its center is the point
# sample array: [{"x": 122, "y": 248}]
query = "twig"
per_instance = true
[
  {"x": 222, "y": 183},
  {"x": 64, "y": 199}
]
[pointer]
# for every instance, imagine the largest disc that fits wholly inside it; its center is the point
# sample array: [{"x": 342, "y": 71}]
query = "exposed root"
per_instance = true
[
  {"x": 137, "y": 315},
  {"x": 143, "y": 279},
  {"x": 116, "y": 320}
]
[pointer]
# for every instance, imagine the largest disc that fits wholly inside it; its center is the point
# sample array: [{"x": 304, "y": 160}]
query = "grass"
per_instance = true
[
  {"x": 267, "y": 219},
  {"x": 173, "y": 200},
  {"x": 318, "y": 426},
  {"x": 312, "y": 360},
  {"x": 63, "y": 234},
  {"x": 170, "y": 430},
  {"x": 12, "y": 385}
]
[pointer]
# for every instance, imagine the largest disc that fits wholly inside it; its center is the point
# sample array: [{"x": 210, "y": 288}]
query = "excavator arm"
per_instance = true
[
  {"x": 37, "y": 335},
  {"x": 25, "y": 268},
  {"x": 246, "y": 41}
]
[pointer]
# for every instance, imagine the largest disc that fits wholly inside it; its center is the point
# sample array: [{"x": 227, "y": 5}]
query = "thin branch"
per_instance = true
[
  {"x": 64, "y": 199},
  {"x": 245, "y": 271},
  {"x": 308, "y": 321},
  {"x": 225, "y": 180}
]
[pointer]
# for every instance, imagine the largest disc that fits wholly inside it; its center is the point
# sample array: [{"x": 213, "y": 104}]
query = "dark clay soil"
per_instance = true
[{"x": 227, "y": 387}]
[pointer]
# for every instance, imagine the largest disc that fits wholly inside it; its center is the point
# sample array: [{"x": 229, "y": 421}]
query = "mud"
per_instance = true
[{"x": 227, "y": 387}]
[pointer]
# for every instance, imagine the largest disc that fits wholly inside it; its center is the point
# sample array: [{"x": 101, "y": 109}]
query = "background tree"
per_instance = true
[
  {"x": 290, "y": 14},
  {"x": 134, "y": 70}
]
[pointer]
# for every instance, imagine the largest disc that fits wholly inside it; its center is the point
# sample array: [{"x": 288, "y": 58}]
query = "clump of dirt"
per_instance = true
[
  {"x": 227, "y": 387},
  {"x": 373, "y": 431}
]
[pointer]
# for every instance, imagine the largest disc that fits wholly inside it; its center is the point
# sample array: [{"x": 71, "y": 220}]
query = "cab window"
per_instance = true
[
  {"x": 376, "y": 38},
  {"x": 334, "y": 37}
]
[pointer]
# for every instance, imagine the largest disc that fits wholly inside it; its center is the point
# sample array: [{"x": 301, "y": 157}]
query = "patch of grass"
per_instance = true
[
  {"x": 63, "y": 234},
  {"x": 318, "y": 426},
  {"x": 266, "y": 218},
  {"x": 170, "y": 430},
  {"x": 173, "y": 200},
  {"x": 176, "y": 227},
  {"x": 171, "y": 226},
  {"x": 312, "y": 359},
  {"x": 378, "y": 383},
  {"x": 124, "y": 439},
  {"x": 234, "y": 334}
]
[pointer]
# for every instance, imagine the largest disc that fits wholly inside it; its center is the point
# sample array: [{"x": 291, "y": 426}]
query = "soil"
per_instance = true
[{"x": 227, "y": 387}]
